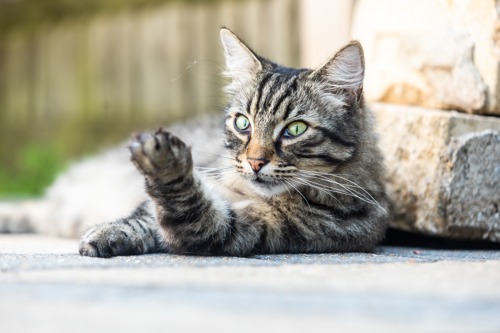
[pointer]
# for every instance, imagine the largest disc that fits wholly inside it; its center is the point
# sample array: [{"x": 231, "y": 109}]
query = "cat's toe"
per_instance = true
[
  {"x": 95, "y": 244},
  {"x": 160, "y": 155},
  {"x": 110, "y": 240},
  {"x": 93, "y": 249},
  {"x": 141, "y": 146}
]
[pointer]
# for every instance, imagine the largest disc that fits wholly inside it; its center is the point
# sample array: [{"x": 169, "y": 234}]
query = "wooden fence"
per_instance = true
[{"x": 161, "y": 63}]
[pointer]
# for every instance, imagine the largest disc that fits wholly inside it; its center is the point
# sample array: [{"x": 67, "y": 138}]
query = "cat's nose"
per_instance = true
[{"x": 257, "y": 163}]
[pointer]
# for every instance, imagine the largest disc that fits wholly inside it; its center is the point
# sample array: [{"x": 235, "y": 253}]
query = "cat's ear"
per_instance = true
[
  {"x": 344, "y": 72},
  {"x": 241, "y": 62}
]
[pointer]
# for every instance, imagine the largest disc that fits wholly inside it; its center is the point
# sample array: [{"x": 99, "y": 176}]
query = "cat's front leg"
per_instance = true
[
  {"x": 192, "y": 218},
  {"x": 135, "y": 234}
]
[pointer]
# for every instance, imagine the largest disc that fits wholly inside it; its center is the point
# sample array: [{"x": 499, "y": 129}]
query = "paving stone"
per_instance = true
[{"x": 395, "y": 289}]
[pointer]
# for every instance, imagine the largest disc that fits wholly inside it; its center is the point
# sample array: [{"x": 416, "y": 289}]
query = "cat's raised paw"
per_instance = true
[{"x": 160, "y": 155}]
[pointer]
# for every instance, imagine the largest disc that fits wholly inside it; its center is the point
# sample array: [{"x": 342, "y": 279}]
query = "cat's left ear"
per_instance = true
[
  {"x": 345, "y": 71},
  {"x": 241, "y": 62}
]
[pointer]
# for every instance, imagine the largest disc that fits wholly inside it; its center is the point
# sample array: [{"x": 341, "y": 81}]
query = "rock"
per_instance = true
[
  {"x": 443, "y": 171},
  {"x": 433, "y": 53},
  {"x": 471, "y": 185}
]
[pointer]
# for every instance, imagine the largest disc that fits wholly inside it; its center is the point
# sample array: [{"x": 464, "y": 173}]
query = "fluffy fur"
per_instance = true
[{"x": 277, "y": 190}]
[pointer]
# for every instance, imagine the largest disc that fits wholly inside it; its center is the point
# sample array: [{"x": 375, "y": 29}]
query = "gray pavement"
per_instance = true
[{"x": 45, "y": 286}]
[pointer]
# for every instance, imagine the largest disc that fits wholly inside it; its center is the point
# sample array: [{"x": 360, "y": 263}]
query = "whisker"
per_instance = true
[
  {"x": 212, "y": 154},
  {"x": 365, "y": 197},
  {"x": 284, "y": 185},
  {"x": 233, "y": 183},
  {"x": 347, "y": 180},
  {"x": 296, "y": 189},
  {"x": 325, "y": 190},
  {"x": 215, "y": 170},
  {"x": 217, "y": 174}
]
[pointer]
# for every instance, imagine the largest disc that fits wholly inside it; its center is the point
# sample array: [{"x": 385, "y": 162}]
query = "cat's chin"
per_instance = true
[{"x": 267, "y": 188}]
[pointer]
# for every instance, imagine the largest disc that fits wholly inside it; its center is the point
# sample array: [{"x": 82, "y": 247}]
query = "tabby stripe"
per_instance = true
[
  {"x": 207, "y": 243},
  {"x": 312, "y": 143},
  {"x": 125, "y": 235},
  {"x": 343, "y": 215},
  {"x": 229, "y": 235},
  {"x": 270, "y": 93},
  {"x": 260, "y": 88},
  {"x": 334, "y": 137},
  {"x": 232, "y": 225},
  {"x": 96, "y": 248},
  {"x": 262, "y": 245},
  {"x": 141, "y": 211},
  {"x": 288, "y": 110},
  {"x": 324, "y": 157},
  {"x": 178, "y": 218},
  {"x": 290, "y": 90},
  {"x": 138, "y": 222},
  {"x": 126, "y": 222}
]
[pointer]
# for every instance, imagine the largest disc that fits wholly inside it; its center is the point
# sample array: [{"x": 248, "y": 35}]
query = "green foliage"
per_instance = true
[
  {"x": 35, "y": 168},
  {"x": 32, "y": 154}
]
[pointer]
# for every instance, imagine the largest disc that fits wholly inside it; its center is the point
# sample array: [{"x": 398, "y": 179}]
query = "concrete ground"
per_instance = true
[{"x": 45, "y": 286}]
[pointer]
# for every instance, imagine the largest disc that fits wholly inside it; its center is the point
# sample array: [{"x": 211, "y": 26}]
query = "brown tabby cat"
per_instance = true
[{"x": 306, "y": 173}]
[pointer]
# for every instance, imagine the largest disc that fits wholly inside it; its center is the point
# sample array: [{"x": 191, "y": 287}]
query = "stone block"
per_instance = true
[
  {"x": 434, "y": 53},
  {"x": 443, "y": 171}
]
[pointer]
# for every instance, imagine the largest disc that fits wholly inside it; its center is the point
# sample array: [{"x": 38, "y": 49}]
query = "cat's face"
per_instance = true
[{"x": 282, "y": 123}]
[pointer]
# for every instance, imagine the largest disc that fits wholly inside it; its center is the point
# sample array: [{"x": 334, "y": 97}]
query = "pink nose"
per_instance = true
[{"x": 256, "y": 163}]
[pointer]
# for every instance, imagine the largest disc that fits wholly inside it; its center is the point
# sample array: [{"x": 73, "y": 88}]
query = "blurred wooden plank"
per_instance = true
[{"x": 156, "y": 63}]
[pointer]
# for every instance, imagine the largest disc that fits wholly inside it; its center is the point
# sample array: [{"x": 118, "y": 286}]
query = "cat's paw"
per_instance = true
[
  {"x": 112, "y": 239},
  {"x": 160, "y": 155}
]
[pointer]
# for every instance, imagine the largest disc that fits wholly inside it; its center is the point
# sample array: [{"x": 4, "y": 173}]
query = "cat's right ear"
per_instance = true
[{"x": 241, "y": 62}]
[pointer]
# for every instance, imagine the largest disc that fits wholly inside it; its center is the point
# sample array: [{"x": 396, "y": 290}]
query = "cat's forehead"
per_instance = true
[{"x": 275, "y": 93}]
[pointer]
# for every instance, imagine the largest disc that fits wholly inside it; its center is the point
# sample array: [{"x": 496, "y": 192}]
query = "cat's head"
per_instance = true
[{"x": 282, "y": 122}]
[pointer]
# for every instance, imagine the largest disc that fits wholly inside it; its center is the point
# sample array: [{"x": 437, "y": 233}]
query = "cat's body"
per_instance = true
[
  {"x": 292, "y": 166},
  {"x": 302, "y": 173}
]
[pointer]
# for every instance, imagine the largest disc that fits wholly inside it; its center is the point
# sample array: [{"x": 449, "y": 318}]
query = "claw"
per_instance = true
[
  {"x": 134, "y": 146},
  {"x": 160, "y": 130},
  {"x": 136, "y": 135}
]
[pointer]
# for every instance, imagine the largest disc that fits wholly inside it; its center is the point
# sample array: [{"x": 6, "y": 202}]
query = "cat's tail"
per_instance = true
[
  {"x": 21, "y": 216},
  {"x": 96, "y": 190}
]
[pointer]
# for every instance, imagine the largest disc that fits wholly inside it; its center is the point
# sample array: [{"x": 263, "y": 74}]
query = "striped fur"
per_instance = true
[{"x": 319, "y": 191}]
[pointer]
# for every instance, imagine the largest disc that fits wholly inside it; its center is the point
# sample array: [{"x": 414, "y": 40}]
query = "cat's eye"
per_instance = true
[
  {"x": 295, "y": 129},
  {"x": 242, "y": 123}
]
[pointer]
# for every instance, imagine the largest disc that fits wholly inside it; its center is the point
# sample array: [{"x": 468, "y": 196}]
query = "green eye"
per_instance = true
[
  {"x": 295, "y": 129},
  {"x": 242, "y": 123}
]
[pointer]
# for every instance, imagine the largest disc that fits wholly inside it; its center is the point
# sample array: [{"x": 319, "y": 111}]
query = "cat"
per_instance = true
[{"x": 302, "y": 171}]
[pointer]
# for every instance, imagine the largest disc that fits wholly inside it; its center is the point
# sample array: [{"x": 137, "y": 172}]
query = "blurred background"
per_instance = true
[{"x": 78, "y": 76}]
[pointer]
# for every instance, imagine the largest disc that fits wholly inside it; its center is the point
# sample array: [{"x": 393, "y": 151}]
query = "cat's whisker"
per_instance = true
[
  {"x": 324, "y": 190},
  {"x": 233, "y": 181},
  {"x": 365, "y": 197},
  {"x": 219, "y": 174},
  {"x": 346, "y": 179},
  {"x": 282, "y": 182},
  {"x": 347, "y": 188},
  {"x": 214, "y": 170},
  {"x": 212, "y": 154},
  {"x": 300, "y": 193},
  {"x": 325, "y": 176},
  {"x": 221, "y": 177}
]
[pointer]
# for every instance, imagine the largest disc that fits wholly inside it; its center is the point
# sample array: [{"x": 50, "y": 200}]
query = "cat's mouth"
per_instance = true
[
  {"x": 259, "y": 180},
  {"x": 263, "y": 181}
]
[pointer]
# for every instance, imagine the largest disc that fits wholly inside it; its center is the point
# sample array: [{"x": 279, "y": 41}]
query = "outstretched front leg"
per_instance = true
[
  {"x": 135, "y": 234},
  {"x": 191, "y": 218}
]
